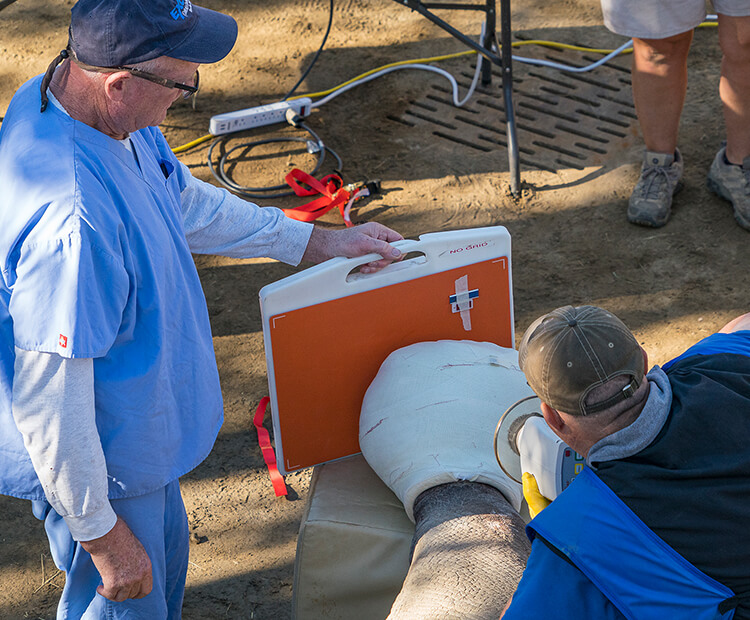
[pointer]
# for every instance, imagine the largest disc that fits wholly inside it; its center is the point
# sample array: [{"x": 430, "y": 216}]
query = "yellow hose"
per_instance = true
[{"x": 190, "y": 145}]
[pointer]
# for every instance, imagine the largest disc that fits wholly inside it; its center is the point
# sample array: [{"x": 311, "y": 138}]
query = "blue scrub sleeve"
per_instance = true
[
  {"x": 735, "y": 342},
  {"x": 552, "y": 587},
  {"x": 68, "y": 297}
]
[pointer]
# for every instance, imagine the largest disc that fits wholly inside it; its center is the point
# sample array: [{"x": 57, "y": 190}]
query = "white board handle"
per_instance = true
[{"x": 334, "y": 278}]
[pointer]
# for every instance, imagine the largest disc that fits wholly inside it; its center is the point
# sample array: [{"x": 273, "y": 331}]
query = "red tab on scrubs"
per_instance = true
[
  {"x": 332, "y": 191},
  {"x": 264, "y": 441}
]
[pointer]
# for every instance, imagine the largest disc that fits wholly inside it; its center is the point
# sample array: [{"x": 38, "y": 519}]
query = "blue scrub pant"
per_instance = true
[{"x": 159, "y": 521}]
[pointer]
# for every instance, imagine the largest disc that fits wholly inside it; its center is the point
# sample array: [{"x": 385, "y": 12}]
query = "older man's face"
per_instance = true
[{"x": 147, "y": 103}]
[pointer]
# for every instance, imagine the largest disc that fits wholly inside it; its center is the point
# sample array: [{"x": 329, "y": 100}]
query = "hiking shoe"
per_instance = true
[
  {"x": 651, "y": 201},
  {"x": 732, "y": 182}
]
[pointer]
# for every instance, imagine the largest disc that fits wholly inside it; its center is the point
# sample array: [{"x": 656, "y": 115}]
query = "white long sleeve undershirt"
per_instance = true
[
  {"x": 53, "y": 407},
  {"x": 218, "y": 222}
]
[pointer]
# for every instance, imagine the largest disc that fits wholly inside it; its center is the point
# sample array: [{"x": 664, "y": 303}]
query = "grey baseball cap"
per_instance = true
[{"x": 569, "y": 352}]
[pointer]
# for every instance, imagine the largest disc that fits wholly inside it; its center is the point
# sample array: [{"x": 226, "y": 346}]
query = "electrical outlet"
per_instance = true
[{"x": 258, "y": 116}]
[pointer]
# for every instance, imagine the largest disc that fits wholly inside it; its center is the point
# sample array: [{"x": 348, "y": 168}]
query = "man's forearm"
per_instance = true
[{"x": 53, "y": 407}]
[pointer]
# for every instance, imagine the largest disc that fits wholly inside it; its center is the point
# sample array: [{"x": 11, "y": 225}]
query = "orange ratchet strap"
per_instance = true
[
  {"x": 264, "y": 441},
  {"x": 331, "y": 188}
]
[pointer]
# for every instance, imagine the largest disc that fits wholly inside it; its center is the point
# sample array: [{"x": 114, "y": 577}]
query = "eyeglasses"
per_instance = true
[{"x": 145, "y": 75}]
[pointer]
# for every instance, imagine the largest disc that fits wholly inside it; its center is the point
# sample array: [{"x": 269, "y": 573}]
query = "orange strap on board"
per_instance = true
[
  {"x": 330, "y": 187},
  {"x": 264, "y": 441}
]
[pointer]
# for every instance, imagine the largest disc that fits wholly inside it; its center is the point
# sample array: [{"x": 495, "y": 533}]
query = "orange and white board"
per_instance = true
[{"x": 328, "y": 329}]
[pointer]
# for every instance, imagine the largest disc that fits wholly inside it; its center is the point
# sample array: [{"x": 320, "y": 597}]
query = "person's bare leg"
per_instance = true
[
  {"x": 734, "y": 86},
  {"x": 739, "y": 323},
  {"x": 729, "y": 175},
  {"x": 659, "y": 76}
]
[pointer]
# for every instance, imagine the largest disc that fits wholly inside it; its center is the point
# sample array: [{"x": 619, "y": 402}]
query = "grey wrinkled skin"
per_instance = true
[{"x": 468, "y": 552}]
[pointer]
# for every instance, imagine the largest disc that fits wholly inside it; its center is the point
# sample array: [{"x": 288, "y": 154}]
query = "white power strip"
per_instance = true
[{"x": 259, "y": 116}]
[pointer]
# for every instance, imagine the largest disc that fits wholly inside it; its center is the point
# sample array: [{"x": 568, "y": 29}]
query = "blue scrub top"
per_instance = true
[{"x": 95, "y": 264}]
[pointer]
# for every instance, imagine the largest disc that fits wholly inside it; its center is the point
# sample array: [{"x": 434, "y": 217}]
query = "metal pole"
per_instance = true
[
  {"x": 504, "y": 61},
  {"x": 488, "y": 38},
  {"x": 510, "y": 117}
]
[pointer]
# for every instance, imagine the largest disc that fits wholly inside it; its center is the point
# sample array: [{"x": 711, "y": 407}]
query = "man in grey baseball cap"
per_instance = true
[
  {"x": 636, "y": 533},
  {"x": 109, "y": 390},
  {"x": 573, "y": 357}
]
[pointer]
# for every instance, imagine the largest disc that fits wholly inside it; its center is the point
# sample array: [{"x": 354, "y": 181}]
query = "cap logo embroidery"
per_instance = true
[
  {"x": 63, "y": 341},
  {"x": 182, "y": 9}
]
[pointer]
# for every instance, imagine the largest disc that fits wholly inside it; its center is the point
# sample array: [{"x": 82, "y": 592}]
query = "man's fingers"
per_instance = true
[
  {"x": 378, "y": 231},
  {"x": 375, "y": 266},
  {"x": 146, "y": 586},
  {"x": 114, "y": 594},
  {"x": 389, "y": 255},
  {"x": 376, "y": 238},
  {"x": 388, "y": 235},
  {"x": 122, "y": 593},
  {"x": 386, "y": 250}
]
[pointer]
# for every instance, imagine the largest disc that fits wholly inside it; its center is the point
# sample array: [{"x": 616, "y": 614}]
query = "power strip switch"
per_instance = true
[{"x": 259, "y": 116}]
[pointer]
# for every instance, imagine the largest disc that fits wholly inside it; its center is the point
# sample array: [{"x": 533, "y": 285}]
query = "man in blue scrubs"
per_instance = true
[
  {"x": 109, "y": 390},
  {"x": 655, "y": 525}
]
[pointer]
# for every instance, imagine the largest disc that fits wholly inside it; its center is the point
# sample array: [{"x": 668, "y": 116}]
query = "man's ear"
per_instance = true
[
  {"x": 114, "y": 85},
  {"x": 552, "y": 418},
  {"x": 645, "y": 359}
]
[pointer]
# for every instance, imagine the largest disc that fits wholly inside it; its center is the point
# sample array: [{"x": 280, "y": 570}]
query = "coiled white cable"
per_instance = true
[{"x": 458, "y": 103}]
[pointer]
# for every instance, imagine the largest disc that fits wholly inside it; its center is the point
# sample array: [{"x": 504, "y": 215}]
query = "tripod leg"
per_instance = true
[
  {"x": 487, "y": 39},
  {"x": 510, "y": 118}
]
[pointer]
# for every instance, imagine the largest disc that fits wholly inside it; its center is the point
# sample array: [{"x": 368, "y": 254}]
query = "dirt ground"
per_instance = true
[{"x": 441, "y": 169}]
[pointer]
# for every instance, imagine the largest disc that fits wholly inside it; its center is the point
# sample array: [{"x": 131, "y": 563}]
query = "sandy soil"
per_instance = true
[{"x": 571, "y": 241}]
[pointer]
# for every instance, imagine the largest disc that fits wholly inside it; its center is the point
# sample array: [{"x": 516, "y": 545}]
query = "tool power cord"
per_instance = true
[
  {"x": 274, "y": 191},
  {"x": 219, "y": 171}
]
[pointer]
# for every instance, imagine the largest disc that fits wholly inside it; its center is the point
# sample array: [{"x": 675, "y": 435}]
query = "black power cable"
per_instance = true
[
  {"x": 6, "y": 3},
  {"x": 274, "y": 191},
  {"x": 317, "y": 54},
  {"x": 222, "y": 176}
]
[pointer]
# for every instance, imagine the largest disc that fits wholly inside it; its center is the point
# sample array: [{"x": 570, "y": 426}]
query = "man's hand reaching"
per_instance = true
[
  {"x": 122, "y": 562},
  {"x": 351, "y": 242}
]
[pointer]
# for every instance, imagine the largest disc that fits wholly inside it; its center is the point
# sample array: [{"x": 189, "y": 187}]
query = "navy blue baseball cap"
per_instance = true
[{"x": 112, "y": 33}]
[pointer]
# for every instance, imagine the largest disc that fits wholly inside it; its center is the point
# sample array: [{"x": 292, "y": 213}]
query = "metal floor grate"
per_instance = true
[{"x": 563, "y": 119}]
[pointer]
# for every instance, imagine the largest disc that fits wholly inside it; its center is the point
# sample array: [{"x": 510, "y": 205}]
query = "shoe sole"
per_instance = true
[{"x": 722, "y": 193}]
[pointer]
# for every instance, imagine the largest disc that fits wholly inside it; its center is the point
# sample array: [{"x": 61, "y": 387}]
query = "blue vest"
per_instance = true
[{"x": 635, "y": 569}]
